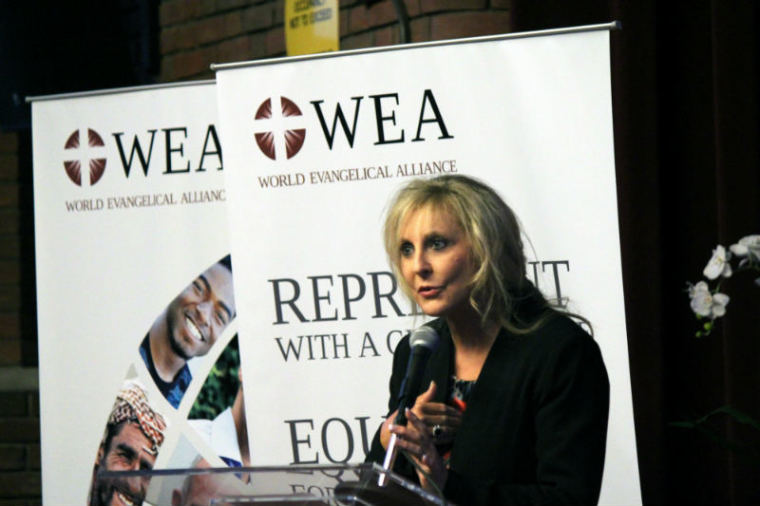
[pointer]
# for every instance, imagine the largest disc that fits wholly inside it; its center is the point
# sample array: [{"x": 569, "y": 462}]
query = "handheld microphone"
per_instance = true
[{"x": 423, "y": 342}]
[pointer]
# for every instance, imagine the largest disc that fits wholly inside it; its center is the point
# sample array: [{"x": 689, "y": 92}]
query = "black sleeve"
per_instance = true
[{"x": 571, "y": 399}]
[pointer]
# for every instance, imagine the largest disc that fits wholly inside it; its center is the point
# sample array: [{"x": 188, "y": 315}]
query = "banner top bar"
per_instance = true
[
  {"x": 113, "y": 91},
  {"x": 613, "y": 25}
]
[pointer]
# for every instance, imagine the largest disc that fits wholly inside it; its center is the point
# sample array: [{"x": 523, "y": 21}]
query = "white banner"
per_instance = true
[
  {"x": 130, "y": 223},
  {"x": 316, "y": 147}
]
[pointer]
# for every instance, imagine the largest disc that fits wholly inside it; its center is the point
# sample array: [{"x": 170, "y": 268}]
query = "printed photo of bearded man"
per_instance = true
[
  {"x": 188, "y": 328},
  {"x": 134, "y": 433}
]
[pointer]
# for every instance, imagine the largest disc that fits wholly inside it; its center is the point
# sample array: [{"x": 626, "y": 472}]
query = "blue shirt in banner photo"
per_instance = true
[{"x": 172, "y": 390}]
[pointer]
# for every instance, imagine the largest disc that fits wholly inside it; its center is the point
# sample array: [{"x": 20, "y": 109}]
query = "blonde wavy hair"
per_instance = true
[{"x": 493, "y": 231}]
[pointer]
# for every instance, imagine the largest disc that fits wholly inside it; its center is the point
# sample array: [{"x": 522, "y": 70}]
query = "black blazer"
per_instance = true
[{"x": 535, "y": 427}]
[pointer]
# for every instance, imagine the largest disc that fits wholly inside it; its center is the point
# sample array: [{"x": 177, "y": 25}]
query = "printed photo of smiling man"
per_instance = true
[{"x": 188, "y": 328}]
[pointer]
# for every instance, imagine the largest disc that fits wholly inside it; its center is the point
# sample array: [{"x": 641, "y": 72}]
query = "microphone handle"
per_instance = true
[{"x": 411, "y": 384}]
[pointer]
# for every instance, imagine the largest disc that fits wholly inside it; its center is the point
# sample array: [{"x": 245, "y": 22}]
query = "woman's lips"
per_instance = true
[{"x": 429, "y": 292}]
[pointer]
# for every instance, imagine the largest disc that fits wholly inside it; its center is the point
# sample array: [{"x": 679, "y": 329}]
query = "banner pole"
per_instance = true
[
  {"x": 115, "y": 91},
  {"x": 612, "y": 25}
]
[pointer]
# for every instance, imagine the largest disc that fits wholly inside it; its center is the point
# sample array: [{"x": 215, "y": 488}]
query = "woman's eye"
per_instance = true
[
  {"x": 438, "y": 243},
  {"x": 406, "y": 249},
  {"x": 197, "y": 286}
]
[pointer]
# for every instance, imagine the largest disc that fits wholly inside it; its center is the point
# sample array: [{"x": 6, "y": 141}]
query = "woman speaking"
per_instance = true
[{"x": 513, "y": 404}]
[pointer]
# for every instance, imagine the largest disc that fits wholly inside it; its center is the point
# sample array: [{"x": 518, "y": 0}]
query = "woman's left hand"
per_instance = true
[
  {"x": 415, "y": 438},
  {"x": 441, "y": 420}
]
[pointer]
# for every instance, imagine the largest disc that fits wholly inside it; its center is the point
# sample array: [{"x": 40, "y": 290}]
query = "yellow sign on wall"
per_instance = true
[{"x": 311, "y": 26}]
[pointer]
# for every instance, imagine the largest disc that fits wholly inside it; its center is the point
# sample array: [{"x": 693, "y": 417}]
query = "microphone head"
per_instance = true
[{"x": 424, "y": 336}]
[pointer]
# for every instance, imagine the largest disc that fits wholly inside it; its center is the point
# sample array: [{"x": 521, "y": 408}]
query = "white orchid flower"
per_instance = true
[
  {"x": 707, "y": 304},
  {"x": 701, "y": 299},
  {"x": 748, "y": 245},
  {"x": 719, "y": 302},
  {"x": 699, "y": 287},
  {"x": 718, "y": 264}
]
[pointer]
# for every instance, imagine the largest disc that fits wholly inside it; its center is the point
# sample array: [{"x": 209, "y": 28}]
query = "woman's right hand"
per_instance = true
[
  {"x": 420, "y": 447},
  {"x": 431, "y": 414}
]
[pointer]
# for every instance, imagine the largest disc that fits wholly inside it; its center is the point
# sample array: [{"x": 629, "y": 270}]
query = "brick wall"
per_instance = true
[
  {"x": 19, "y": 401},
  {"x": 10, "y": 299},
  {"x": 193, "y": 34},
  {"x": 196, "y": 33},
  {"x": 19, "y": 448}
]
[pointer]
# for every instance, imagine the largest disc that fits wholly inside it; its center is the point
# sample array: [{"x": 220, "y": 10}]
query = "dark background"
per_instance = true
[
  {"x": 51, "y": 47},
  {"x": 685, "y": 101}
]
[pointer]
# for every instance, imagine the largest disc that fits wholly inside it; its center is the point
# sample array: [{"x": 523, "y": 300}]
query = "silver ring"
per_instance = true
[{"x": 437, "y": 431}]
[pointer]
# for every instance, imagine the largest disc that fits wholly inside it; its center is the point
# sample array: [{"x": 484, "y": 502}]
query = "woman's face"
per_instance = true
[{"x": 436, "y": 261}]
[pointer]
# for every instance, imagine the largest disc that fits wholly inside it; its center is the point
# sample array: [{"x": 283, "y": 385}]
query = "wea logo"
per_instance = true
[
  {"x": 91, "y": 156},
  {"x": 280, "y": 130},
  {"x": 277, "y": 129},
  {"x": 166, "y": 148}
]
